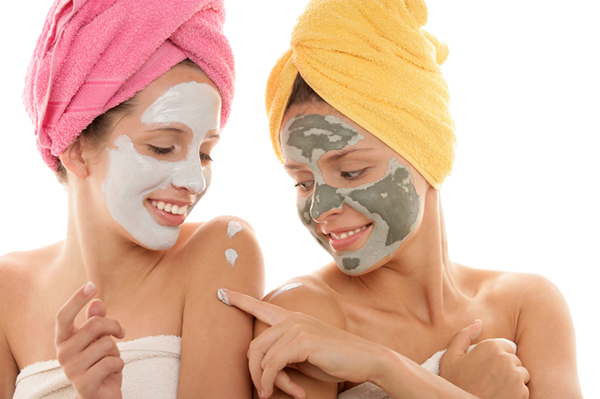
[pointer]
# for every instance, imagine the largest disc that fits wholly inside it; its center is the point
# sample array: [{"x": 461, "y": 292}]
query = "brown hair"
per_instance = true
[
  {"x": 302, "y": 93},
  {"x": 96, "y": 132}
]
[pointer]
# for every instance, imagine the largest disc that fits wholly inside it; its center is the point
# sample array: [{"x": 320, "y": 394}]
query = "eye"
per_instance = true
[
  {"x": 305, "y": 185},
  {"x": 161, "y": 150},
  {"x": 354, "y": 174},
  {"x": 205, "y": 158}
]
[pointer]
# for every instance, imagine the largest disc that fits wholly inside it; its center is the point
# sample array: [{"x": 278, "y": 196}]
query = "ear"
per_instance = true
[{"x": 73, "y": 160}]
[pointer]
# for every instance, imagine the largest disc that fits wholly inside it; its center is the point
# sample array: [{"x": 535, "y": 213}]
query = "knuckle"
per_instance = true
[
  {"x": 94, "y": 325},
  {"x": 61, "y": 316},
  {"x": 119, "y": 364},
  {"x": 61, "y": 356},
  {"x": 106, "y": 344},
  {"x": 253, "y": 347}
]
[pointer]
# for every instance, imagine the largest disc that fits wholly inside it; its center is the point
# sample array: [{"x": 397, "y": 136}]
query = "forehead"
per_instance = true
[
  {"x": 313, "y": 129},
  {"x": 316, "y": 134},
  {"x": 178, "y": 74}
]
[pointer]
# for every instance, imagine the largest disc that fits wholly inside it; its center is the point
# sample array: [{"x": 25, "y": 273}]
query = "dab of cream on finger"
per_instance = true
[
  {"x": 233, "y": 228},
  {"x": 231, "y": 256},
  {"x": 222, "y": 294}
]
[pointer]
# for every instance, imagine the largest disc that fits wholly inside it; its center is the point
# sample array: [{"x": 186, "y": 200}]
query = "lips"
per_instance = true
[
  {"x": 343, "y": 239},
  {"x": 171, "y": 213},
  {"x": 169, "y": 207}
]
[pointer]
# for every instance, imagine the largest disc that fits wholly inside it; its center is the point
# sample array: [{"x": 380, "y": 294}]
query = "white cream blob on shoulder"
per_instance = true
[
  {"x": 132, "y": 176},
  {"x": 231, "y": 256},
  {"x": 233, "y": 228},
  {"x": 284, "y": 289}
]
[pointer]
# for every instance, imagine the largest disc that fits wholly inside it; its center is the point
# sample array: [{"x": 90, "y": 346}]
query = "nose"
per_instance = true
[
  {"x": 325, "y": 201},
  {"x": 190, "y": 176}
]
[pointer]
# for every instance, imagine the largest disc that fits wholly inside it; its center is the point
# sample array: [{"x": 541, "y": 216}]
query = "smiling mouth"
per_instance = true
[
  {"x": 346, "y": 240},
  {"x": 347, "y": 234},
  {"x": 170, "y": 208}
]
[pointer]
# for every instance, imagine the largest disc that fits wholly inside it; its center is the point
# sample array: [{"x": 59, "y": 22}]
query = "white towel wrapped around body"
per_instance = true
[
  {"x": 372, "y": 391},
  {"x": 151, "y": 370}
]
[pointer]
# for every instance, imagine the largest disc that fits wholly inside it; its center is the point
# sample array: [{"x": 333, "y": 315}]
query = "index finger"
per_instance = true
[
  {"x": 65, "y": 317},
  {"x": 263, "y": 311}
]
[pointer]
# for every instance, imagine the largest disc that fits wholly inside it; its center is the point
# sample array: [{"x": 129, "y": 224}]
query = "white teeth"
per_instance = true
[
  {"x": 174, "y": 209},
  {"x": 347, "y": 234}
]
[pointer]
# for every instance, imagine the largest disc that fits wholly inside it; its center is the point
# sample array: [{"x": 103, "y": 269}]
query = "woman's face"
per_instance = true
[
  {"x": 358, "y": 197},
  {"x": 158, "y": 161}
]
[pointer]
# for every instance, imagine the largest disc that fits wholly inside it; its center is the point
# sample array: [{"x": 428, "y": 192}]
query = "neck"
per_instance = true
[
  {"x": 97, "y": 249},
  {"x": 420, "y": 277}
]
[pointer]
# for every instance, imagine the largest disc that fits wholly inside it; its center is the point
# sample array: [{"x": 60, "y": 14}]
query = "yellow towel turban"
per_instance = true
[{"x": 370, "y": 60}]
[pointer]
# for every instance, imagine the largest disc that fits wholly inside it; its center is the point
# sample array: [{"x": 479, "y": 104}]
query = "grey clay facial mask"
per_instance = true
[{"x": 391, "y": 202}]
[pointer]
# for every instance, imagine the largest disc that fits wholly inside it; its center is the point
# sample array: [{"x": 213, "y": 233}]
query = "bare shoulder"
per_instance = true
[
  {"x": 521, "y": 289},
  {"x": 311, "y": 295},
  {"x": 19, "y": 279},
  {"x": 521, "y": 298},
  {"x": 20, "y": 272},
  {"x": 223, "y": 252}
]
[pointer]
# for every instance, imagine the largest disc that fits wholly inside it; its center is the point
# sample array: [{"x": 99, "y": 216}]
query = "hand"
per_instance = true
[
  {"x": 490, "y": 370},
  {"x": 89, "y": 356},
  {"x": 311, "y": 346}
]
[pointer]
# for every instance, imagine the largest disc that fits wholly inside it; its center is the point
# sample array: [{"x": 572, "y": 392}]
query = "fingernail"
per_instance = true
[
  {"x": 124, "y": 332},
  {"x": 89, "y": 288},
  {"x": 260, "y": 394},
  {"x": 222, "y": 294},
  {"x": 475, "y": 322}
]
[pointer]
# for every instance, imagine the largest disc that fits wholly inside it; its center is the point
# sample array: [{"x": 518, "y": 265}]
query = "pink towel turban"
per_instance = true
[{"x": 95, "y": 54}]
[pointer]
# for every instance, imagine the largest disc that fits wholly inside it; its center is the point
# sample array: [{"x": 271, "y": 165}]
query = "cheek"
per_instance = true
[
  {"x": 303, "y": 206},
  {"x": 393, "y": 198}
]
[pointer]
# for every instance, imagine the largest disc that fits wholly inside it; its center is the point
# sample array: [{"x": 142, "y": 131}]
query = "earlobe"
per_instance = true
[{"x": 73, "y": 160}]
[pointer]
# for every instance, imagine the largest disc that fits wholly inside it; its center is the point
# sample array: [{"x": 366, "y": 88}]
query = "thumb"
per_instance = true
[{"x": 462, "y": 340}]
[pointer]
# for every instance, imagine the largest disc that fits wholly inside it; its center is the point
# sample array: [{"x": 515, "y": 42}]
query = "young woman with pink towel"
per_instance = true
[{"x": 128, "y": 98}]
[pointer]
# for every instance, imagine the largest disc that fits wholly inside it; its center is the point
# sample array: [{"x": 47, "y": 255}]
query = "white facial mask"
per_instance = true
[{"x": 132, "y": 176}]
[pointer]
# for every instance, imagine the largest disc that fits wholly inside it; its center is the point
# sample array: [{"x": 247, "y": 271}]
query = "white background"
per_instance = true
[{"x": 523, "y": 196}]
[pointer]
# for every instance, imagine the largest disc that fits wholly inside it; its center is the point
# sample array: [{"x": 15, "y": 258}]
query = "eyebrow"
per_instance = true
[
  {"x": 214, "y": 135},
  {"x": 343, "y": 152},
  {"x": 293, "y": 166},
  {"x": 167, "y": 129}
]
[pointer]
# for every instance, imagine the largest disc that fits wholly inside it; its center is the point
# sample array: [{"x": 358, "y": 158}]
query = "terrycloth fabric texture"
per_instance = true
[
  {"x": 94, "y": 54},
  {"x": 372, "y": 391},
  {"x": 373, "y": 62},
  {"x": 151, "y": 371}
]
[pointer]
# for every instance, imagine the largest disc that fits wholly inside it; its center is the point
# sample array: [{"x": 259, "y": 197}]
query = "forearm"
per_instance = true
[{"x": 402, "y": 378}]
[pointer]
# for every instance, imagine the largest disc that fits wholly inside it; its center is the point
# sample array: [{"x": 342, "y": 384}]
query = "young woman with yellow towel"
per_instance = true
[{"x": 359, "y": 114}]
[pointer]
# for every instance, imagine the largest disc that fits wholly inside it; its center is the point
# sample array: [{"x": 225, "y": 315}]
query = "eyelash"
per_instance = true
[
  {"x": 353, "y": 174},
  {"x": 161, "y": 150},
  {"x": 165, "y": 151},
  {"x": 305, "y": 185}
]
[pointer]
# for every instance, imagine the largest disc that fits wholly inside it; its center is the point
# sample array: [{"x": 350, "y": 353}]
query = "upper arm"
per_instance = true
[
  {"x": 8, "y": 366},
  {"x": 546, "y": 341},
  {"x": 8, "y": 370},
  {"x": 309, "y": 300},
  {"x": 215, "y": 337}
]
